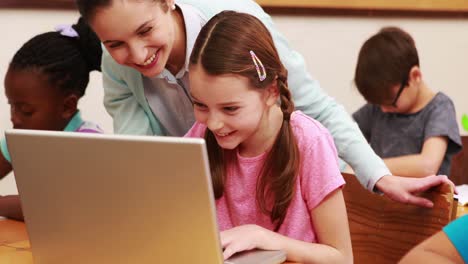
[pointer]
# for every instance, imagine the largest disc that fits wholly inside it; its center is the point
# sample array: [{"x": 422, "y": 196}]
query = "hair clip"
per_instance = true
[
  {"x": 67, "y": 31},
  {"x": 257, "y": 61}
]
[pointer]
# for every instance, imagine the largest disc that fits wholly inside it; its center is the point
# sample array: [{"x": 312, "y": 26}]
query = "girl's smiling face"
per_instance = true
[{"x": 236, "y": 113}]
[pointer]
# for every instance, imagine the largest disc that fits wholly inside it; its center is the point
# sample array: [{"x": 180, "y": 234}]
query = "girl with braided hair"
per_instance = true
[
  {"x": 274, "y": 170},
  {"x": 45, "y": 79}
]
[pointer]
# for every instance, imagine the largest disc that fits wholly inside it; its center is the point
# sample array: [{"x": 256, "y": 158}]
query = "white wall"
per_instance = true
[{"x": 329, "y": 44}]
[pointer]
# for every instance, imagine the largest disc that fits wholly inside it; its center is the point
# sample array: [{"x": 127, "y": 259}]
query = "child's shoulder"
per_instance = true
[
  {"x": 441, "y": 98},
  {"x": 366, "y": 111},
  {"x": 89, "y": 127},
  {"x": 92, "y": 127},
  {"x": 306, "y": 129},
  {"x": 439, "y": 103}
]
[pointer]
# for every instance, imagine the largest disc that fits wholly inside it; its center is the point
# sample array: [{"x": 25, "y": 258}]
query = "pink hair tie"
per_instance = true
[{"x": 261, "y": 73}]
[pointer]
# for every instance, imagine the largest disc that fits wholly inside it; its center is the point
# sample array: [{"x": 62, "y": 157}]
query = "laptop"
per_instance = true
[{"x": 92, "y": 198}]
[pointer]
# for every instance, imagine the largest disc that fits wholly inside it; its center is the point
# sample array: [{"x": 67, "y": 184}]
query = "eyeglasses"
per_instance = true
[{"x": 402, "y": 86}]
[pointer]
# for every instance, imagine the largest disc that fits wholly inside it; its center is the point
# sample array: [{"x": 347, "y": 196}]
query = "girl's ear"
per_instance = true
[
  {"x": 170, "y": 4},
  {"x": 70, "y": 106},
  {"x": 272, "y": 93}
]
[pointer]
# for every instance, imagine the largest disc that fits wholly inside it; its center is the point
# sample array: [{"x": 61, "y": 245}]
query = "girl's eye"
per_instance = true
[
  {"x": 26, "y": 110},
  {"x": 22, "y": 110},
  {"x": 145, "y": 31},
  {"x": 27, "y": 113},
  {"x": 230, "y": 108},
  {"x": 115, "y": 45},
  {"x": 199, "y": 105}
]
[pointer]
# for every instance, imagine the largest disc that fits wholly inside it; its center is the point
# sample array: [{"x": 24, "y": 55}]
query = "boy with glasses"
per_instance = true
[{"x": 412, "y": 128}]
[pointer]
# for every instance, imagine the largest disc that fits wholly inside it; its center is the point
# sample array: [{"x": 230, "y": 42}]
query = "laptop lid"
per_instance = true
[{"x": 93, "y": 198}]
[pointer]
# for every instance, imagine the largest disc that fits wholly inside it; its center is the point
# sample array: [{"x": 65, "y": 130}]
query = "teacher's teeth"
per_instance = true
[{"x": 150, "y": 60}]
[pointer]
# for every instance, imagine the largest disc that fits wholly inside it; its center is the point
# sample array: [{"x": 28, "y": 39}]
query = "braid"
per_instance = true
[
  {"x": 281, "y": 167},
  {"x": 287, "y": 105},
  {"x": 66, "y": 61},
  {"x": 217, "y": 164}
]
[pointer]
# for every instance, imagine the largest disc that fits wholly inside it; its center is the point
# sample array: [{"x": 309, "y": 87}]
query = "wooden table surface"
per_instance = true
[
  {"x": 14, "y": 243},
  {"x": 462, "y": 210},
  {"x": 15, "y": 248}
]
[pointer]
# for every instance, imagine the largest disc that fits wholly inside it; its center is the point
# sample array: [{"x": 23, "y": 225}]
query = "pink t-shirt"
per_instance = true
[{"x": 319, "y": 175}]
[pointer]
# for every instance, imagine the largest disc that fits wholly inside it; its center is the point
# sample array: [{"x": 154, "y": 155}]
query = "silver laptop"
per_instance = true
[{"x": 90, "y": 198}]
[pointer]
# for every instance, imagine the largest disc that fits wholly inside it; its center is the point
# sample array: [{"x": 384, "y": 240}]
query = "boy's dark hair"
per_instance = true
[
  {"x": 385, "y": 60},
  {"x": 65, "y": 61}
]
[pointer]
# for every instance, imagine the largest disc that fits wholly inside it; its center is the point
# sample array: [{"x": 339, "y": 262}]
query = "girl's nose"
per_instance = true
[{"x": 214, "y": 123}]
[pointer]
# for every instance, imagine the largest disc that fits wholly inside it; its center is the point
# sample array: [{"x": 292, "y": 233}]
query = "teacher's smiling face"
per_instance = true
[{"x": 138, "y": 34}]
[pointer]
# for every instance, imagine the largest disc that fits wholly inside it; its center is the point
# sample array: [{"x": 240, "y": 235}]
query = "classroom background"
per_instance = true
[{"x": 329, "y": 44}]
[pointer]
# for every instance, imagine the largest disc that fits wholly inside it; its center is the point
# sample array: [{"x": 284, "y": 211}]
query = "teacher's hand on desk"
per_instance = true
[{"x": 404, "y": 189}]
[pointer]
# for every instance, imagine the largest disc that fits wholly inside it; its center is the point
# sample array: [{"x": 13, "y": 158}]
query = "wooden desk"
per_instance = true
[
  {"x": 14, "y": 243},
  {"x": 462, "y": 210},
  {"x": 15, "y": 248}
]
